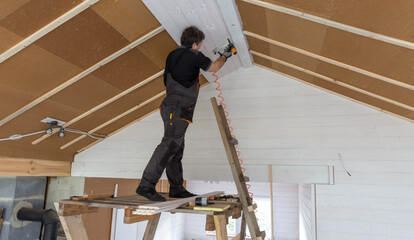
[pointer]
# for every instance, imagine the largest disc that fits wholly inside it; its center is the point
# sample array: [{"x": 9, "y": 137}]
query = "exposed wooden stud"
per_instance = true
[
  {"x": 151, "y": 227},
  {"x": 331, "y": 61},
  {"x": 114, "y": 119},
  {"x": 81, "y": 75},
  {"x": 271, "y": 200},
  {"x": 220, "y": 225},
  {"x": 46, "y": 29},
  {"x": 96, "y": 108},
  {"x": 72, "y": 225},
  {"x": 337, "y": 25},
  {"x": 131, "y": 218},
  {"x": 1, "y": 218},
  {"x": 408, "y": 107},
  {"x": 71, "y": 209},
  {"x": 33, "y": 167},
  {"x": 335, "y": 93}
]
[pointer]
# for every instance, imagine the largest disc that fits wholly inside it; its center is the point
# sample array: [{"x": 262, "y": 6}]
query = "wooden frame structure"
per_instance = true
[
  {"x": 240, "y": 180},
  {"x": 70, "y": 211}
]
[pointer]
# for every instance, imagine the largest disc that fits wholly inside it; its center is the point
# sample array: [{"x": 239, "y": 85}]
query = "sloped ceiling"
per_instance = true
[
  {"x": 101, "y": 70},
  {"x": 370, "y": 60},
  {"x": 29, "y": 79}
]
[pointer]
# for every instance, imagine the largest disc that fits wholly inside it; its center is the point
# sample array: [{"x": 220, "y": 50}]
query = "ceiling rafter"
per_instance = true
[
  {"x": 337, "y": 25},
  {"x": 46, "y": 29},
  {"x": 335, "y": 93},
  {"x": 329, "y": 79},
  {"x": 331, "y": 61},
  {"x": 129, "y": 124},
  {"x": 81, "y": 75},
  {"x": 114, "y": 119},
  {"x": 96, "y": 108}
]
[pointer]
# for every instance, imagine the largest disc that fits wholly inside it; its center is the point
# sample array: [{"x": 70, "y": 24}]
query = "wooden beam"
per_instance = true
[
  {"x": 329, "y": 23},
  {"x": 73, "y": 226},
  {"x": 231, "y": 17},
  {"x": 66, "y": 209},
  {"x": 335, "y": 93},
  {"x": 221, "y": 227},
  {"x": 385, "y": 99},
  {"x": 271, "y": 200},
  {"x": 33, "y": 167},
  {"x": 94, "y": 109},
  {"x": 131, "y": 218},
  {"x": 81, "y": 75},
  {"x": 1, "y": 218},
  {"x": 114, "y": 119},
  {"x": 46, "y": 29},
  {"x": 331, "y": 61},
  {"x": 151, "y": 227}
]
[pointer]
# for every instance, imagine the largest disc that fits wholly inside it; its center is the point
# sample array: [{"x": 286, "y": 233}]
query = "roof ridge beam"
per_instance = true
[
  {"x": 330, "y": 23},
  {"x": 331, "y": 61},
  {"x": 329, "y": 79},
  {"x": 46, "y": 29},
  {"x": 81, "y": 75}
]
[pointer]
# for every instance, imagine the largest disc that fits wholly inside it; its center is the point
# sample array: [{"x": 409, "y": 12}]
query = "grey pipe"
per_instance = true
[{"x": 48, "y": 217}]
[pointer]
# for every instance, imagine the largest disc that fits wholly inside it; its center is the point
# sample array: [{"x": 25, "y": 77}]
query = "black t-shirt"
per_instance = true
[{"x": 184, "y": 65}]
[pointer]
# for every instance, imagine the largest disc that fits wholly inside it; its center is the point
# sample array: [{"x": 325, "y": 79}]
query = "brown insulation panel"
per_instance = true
[
  {"x": 68, "y": 50},
  {"x": 382, "y": 58}
]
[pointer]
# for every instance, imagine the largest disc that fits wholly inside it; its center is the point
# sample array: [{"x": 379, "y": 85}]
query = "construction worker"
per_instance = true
[{"x": 181, "y": 73}]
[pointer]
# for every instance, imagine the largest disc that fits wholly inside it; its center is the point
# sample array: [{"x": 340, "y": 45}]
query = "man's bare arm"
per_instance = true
[{"x": 216, "y": 65}]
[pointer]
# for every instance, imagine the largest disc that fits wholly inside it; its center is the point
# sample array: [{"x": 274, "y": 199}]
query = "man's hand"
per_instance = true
[{"x": 226, "y": 54}]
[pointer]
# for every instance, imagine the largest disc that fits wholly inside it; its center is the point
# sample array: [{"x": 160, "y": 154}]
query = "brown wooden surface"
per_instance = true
[
  {"x": 1, "y": 218},
  {"x": 33, "y": 167},
  {"x": 151, "y": 227},
  {"x": 130, "y": 218},
  {"x": 70, "y": 209},
  {"x": 220, "y": 223},
  {"x": 236, "y": 169}
]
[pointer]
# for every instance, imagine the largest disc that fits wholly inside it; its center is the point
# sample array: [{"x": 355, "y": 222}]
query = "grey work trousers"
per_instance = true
[{"x": 169, "y": 152}]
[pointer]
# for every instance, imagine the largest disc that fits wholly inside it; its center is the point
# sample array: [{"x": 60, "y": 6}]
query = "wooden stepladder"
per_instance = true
[{"x": 249, "y": 217}]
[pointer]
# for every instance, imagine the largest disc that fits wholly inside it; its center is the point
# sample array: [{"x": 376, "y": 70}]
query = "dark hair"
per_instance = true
[{"x": 191, "y": 35}]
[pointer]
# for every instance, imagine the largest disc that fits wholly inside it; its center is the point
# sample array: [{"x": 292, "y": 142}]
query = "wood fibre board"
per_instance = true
[
  {"x": 92, "y": 37},
  {"x": 322, "y": 8},
  {"x": 34, "y": 15},
  {"x": 9, "y": 6},
  {"x": 8, "y": 39},
  {"x": 131, "y": 18}
]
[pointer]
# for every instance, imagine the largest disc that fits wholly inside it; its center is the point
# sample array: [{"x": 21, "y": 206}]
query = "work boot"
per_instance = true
[
  {"x": 150, "y": 194},
  {"x": 182, "y": 193}
]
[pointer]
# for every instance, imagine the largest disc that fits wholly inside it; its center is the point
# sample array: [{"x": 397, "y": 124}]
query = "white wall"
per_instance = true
[
  {"x": 280, "y": 121},
  {"x": 306, "y": 212}
]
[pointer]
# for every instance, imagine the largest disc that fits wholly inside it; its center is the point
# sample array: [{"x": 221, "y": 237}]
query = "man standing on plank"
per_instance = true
[{"x": 181, "y": 73}]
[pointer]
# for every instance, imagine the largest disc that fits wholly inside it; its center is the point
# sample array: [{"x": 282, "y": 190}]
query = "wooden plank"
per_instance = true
[
  {"x": 71, "y": 209},
  {"x": 80, "y": 75},
  {"x": 329, "y": 79},
  {"x": 243, "y": 228},
  {"x": 331, "y": 61},
  {"x": 113, "y": 119},
  {"x": 130, "y": 218},
  {"x": 151, "y": 228},
  {"x": 33, "y": 167},
  {"x": 210, "y": 223},
  {"x": 236, "y": 169},
  {"x": 330, "y": 23},
  {"x": 73, "y": 226},
  {"x": 336, "y": 93},
  {"x": 221, "y": 229},
  {"x": 46, "y": 29}
]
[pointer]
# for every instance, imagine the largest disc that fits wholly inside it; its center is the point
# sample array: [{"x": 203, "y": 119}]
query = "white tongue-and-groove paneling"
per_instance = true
[
  {"x": 176, "y": 15},
  {"x": 376, "y": 148}
]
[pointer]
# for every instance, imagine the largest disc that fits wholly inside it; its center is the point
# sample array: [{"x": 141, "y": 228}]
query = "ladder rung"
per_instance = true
[{"x": 252, "y": 207}]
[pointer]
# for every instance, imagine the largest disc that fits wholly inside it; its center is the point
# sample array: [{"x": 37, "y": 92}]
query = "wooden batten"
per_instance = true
[
  {"x": 33, "y": 167},
  {"x": 333, "y": 24},
  {"x": 331, "y": 61},
  {"x": 408, "y": 107}
]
